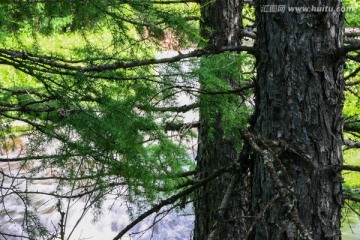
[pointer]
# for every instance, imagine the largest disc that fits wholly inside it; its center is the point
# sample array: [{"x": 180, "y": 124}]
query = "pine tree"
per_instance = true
[
  {"x": 83, "y": 76},
  {"x": 299, "y": 101},
  {"x": 217, "y": 216}
]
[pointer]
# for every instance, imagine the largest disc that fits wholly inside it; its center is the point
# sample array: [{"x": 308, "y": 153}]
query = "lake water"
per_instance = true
[{"x": 177, "y": 225}]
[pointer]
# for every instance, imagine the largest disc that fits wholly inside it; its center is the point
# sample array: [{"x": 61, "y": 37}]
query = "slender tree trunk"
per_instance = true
[
  {"x": 299, "y": 101},
  {"x": 222, "y": 22}
]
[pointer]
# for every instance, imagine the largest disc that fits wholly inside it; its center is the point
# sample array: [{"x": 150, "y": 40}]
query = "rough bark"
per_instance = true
[
  {"x": 222, "y": 22},
  {"x": 299, "y": 99},
  {"x": 222, "y": 26}
]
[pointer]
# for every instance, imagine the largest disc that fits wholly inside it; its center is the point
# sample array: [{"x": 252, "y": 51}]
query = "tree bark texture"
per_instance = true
[
  {"x": 221, "y": 24},
  {"x": 299, "y": 101}
]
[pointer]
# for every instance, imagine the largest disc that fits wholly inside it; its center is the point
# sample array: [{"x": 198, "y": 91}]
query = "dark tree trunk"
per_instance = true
[
  {"x": 222, "y": 21},
  {"x": 299, "y": 97}
]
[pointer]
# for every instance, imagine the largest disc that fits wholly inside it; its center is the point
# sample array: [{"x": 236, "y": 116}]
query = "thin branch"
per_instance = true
[
  {"x": 86, "y": 177},
  {"x": 26, "y": 109},
  {"x": 352, "y": 126},
  {"x": 24, "y": 91},
  {"x": 353, "y": 209},
  {"x": 186, "y": 174},
  {"x": 12, "y": 235},
  {"x": 350, "y": 144},
  {"x": 17, "y": 159},
  {"x": 353, "y": 74},
  {"x": 178, "y": 109},
  {"x": 268, "y": 161},
  {"x": 350, "y": 168},
  {"x": 43, "y": 60},
  {"x": 351, "y": 198},
  {"x": 267, "y": 155},
  {"x": 181, "y": 126},
  {"x": 352, "y": 32},
  {"x": 71, "y": 196},
  {"x": 352, "y": 83}
]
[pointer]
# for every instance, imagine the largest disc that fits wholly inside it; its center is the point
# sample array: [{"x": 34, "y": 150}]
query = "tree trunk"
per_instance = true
[
  {"x": 299, "y": 101},
  {"x": 222, "y": 22}
]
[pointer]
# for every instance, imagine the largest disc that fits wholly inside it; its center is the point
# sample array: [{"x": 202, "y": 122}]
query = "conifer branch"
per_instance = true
[
  {"x": 70, "y": 194},
  {"x": 349, "y": 84},
  {"x": 350, "y": 144},
  {"x": 40, "y": 157},
  {"x": 46, "y": 64},
  {"x": 178, "y": 127},
  {"x": 351, "y": 198},
  {"x": 286, "y": 195},
  {"x": 178, "y": 109},
  {"x": 353, "y": 74},
  {"x": 352, "y": 126},
  {"x": 351, "y": 168}
]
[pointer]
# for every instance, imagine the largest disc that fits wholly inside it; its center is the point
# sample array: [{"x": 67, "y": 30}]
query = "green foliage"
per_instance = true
[
  {"x": 106, "y": 126},
  {"x": 221, "y": 74},
  {"x": 352, "y": 121},
  {"x": 125, "y": 23},
  {"x": 249, "y": 13},
  {"x": 352, "y": 17},
  {"x": 34, "y": 228},
  {"x": 100, "y": 124}
]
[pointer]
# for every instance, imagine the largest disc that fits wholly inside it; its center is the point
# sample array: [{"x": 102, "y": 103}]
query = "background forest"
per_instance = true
[{"x": 101, "y": 104}]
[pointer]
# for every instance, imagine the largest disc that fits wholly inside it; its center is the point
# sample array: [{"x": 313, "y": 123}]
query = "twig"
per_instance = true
[
  {"x": 353, "y": 74},
  {"x": 284, "y": 192},
  {"x": 351, "y": 198},
  {"x": 41, "y": 61}
]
